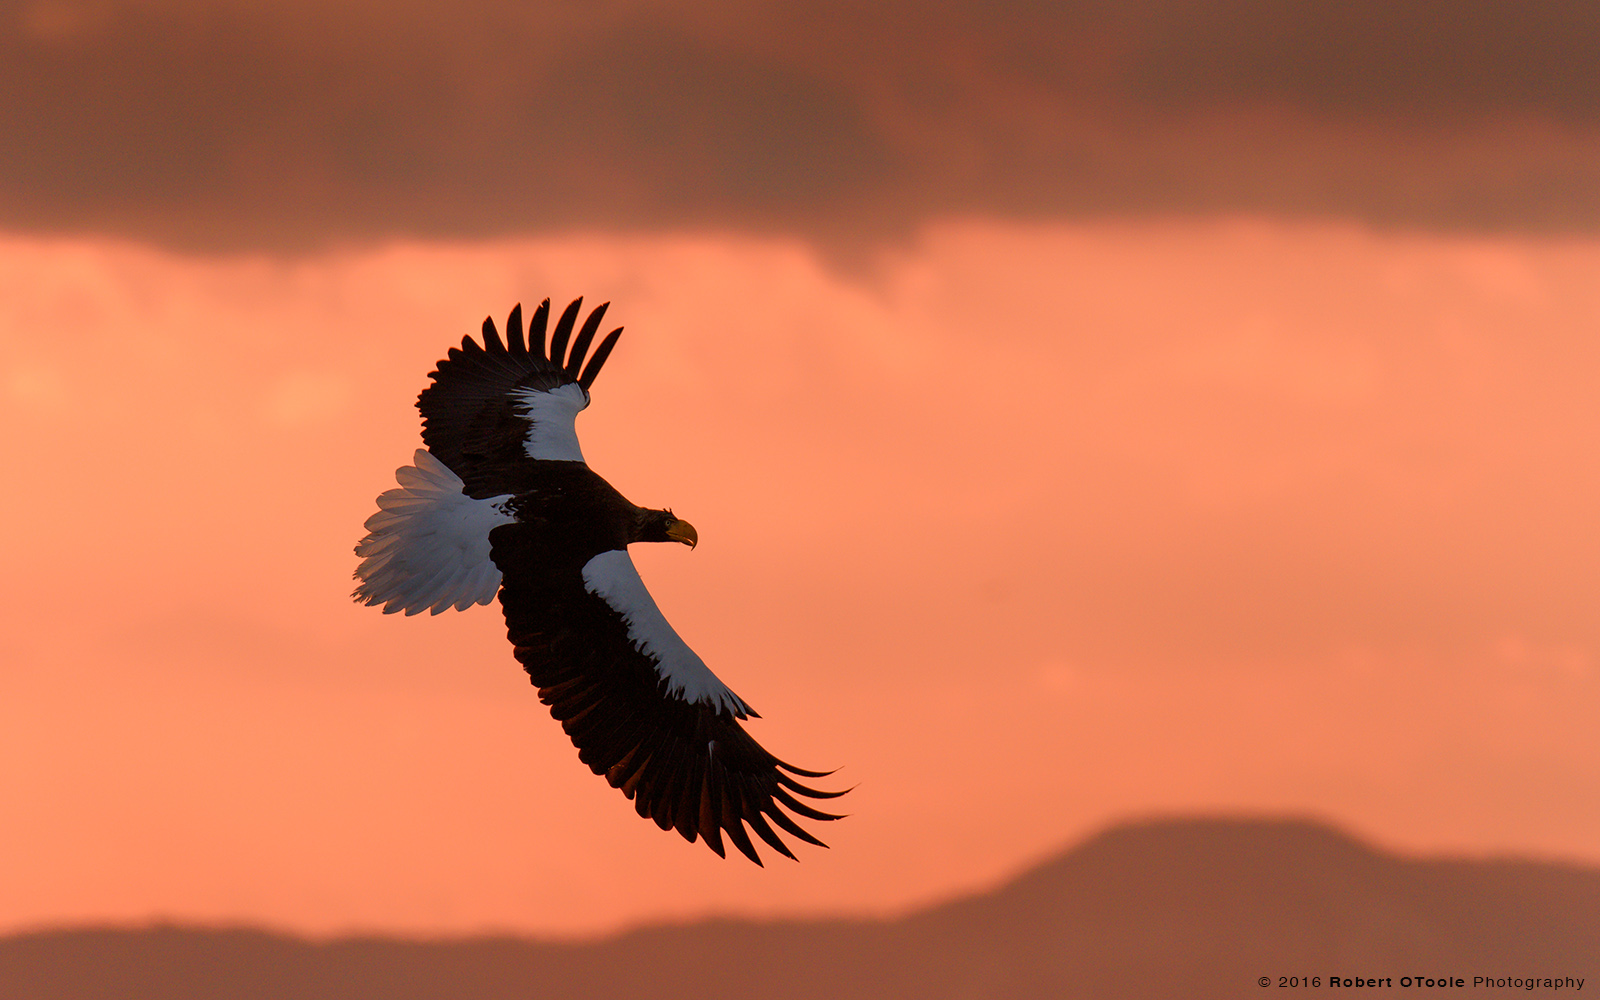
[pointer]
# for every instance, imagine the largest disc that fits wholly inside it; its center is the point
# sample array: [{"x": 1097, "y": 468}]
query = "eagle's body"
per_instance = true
[{"x": 502, "y": 501}]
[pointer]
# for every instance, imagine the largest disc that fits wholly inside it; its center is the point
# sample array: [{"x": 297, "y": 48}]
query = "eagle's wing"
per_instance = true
[
  {"x": 494, "y": 406},
  {"x": 639, "y": 705}
]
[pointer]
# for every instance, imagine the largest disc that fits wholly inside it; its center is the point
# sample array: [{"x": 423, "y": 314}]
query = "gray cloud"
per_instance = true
[{"x": 263, "y": 125}]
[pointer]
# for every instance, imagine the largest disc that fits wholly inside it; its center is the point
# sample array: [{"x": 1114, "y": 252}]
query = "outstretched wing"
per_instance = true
[
  {"x": 639, "y": 705},
  {"x": 494, "y": 406}
]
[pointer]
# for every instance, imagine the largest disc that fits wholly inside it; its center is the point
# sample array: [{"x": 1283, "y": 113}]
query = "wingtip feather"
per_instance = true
[
  {"x": 597, "y": 360},
  {"x": 563, "y": 332}
]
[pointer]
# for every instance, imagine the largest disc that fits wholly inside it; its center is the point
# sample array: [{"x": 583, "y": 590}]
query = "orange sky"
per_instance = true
[{"x": 1028, "y": 528}]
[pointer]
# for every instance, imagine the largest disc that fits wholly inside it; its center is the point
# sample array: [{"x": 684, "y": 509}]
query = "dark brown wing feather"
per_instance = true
[
  {"x": 685, "y": 766},
  {"x": 470, "y": 421}
]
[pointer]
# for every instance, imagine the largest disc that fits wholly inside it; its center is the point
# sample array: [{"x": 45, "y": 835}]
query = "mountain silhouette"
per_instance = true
[{"x": 1192, "y": 908}]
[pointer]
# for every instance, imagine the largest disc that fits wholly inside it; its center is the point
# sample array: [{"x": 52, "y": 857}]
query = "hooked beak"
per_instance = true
[{"x": 683, "y": 531}]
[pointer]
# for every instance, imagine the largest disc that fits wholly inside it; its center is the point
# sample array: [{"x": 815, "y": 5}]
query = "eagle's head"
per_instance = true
[{"x": 664, "y": 526}]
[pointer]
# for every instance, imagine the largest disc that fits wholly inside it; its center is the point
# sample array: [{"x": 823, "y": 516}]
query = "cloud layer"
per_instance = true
[{"x": 283, "y": 126}]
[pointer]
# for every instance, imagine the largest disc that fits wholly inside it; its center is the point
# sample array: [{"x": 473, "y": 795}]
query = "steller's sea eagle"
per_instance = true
[{"x": 501, "y": 500}]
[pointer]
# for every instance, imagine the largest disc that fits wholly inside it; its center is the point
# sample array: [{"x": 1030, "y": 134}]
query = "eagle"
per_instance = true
[{"x": 501, "y": 501}]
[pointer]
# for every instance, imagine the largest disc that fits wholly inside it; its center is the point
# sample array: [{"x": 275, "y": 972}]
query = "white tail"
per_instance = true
[{"x": 427, "y": 547}]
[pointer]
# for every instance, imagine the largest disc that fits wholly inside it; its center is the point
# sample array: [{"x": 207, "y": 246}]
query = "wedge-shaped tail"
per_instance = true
[{"x": 427, "y": 547}]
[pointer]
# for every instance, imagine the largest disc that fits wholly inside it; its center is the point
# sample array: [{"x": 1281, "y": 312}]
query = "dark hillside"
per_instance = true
[{"x": 1193, "y": 908}]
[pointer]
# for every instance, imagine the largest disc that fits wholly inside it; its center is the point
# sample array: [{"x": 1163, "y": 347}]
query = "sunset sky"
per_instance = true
[{"x": 1091, "y": 414}]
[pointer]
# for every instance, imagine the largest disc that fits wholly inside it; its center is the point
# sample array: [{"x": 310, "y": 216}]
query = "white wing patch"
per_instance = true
[
  {"x": 611, "y": 576},
  {"x": 428, "y": 545},
  {"x": 554, "y": 414}
]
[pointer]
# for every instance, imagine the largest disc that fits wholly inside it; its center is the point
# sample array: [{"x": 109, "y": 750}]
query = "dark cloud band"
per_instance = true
[{"x": 260, "y": 125}]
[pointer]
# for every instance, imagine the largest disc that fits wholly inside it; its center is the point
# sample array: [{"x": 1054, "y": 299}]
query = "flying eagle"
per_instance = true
[{"x": 502, "y": 501}]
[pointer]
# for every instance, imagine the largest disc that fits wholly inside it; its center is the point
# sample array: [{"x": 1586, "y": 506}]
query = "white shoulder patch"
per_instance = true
[
  {"x": 554, "y": 415},
  {"x": 612, "y": 577},
  {"x": 428, "y": 545}
]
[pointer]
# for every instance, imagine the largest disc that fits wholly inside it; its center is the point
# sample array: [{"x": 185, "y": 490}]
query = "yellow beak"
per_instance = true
[{"x": 683, "y": 531}]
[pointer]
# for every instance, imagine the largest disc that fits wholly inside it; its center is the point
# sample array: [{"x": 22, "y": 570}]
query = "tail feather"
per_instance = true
[{"x": 427, "y": 547}]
